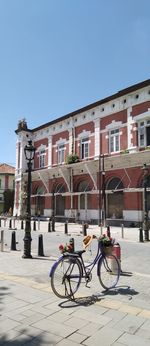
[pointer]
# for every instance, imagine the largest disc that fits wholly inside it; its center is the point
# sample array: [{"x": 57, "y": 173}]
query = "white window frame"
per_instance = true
[
  {"x": 114, "y": 140},
  {"x": 61, "y": 154},
  {"x": 84, "y": 152},
  {"x": 42, "y": 158},
  {"x": 142, "y": 135}
]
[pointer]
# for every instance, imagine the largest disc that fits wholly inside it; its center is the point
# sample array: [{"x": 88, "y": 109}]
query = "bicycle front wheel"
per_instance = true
[
  {"x": 66, "y": 277},
  {"x": 108, "y": 271}
]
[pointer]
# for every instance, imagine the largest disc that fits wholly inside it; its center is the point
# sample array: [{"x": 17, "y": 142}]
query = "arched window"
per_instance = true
[
  {"x": 115, "y": 200},
  {"x": 115, "y": 184},
  {"x": 40, "y": 200},
  {"x": 59, "y": 199},
  {"x": 84, "y": 187}
]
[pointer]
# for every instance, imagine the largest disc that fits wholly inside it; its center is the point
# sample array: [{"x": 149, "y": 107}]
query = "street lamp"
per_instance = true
[
  {"x": 145, "y": 210},
  {"x": 29, "y": 151},
  {"x": 102, "y": 192}
]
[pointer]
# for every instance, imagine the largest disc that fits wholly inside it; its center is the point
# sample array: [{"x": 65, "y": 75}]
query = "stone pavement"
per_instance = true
[{"x": 30, "y": 314}]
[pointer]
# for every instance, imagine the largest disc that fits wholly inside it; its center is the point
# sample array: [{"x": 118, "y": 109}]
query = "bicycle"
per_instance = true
[{"x": 68, "y": 271}]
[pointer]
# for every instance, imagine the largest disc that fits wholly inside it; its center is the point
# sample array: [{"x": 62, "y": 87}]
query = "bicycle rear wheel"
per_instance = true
[
  {"x": 66, "y": 277},
  {"x": 108, "y": 271}
]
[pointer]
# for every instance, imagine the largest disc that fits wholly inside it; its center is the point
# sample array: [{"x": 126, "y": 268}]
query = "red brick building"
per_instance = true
[{"x": 111, "y": 141}]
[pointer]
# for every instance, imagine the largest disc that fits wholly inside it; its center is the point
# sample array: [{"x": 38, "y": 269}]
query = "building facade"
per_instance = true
[
  {"x": 7, "y": 187},
  {"x": 88, "y": 164}
]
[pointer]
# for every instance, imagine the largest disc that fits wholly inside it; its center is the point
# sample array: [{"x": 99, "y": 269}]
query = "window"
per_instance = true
[
  {"x": 42, "y": 158},
  {"x": 144, "y": 133},
  {"x": 84, "y": 148},
  {"x": 114, "y": 140},
  {"x": 61, "y": 153}
]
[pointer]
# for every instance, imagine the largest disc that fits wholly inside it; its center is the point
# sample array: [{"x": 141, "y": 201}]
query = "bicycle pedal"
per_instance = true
[{"x": 87, "y": 286}]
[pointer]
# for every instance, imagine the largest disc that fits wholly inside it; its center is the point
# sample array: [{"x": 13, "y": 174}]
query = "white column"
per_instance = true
[
  {"x": 50, "y": 151},
  {"x": 129, "y": 126},
  {"x": 97, "y": 137},
  {"x": 71, "y": 139}
]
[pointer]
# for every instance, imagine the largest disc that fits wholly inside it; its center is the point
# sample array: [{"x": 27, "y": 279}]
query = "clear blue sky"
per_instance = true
[{"x": 60, "y": 55}]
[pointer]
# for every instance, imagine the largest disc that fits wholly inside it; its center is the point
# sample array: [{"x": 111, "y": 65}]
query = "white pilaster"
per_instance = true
[
  {"x": 50, "y": 151},
  {"x": 97, "y": 137},
  {"x": 129, "y": 126}
]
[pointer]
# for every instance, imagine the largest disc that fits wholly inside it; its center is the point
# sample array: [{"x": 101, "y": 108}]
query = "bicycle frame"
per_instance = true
[
  {"x": 84, "y": 267},
  {"x": 92, "y": 264}
]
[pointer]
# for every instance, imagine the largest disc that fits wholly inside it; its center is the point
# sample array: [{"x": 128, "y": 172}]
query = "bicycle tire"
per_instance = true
[
  {"x": 108, "y": 271},
  {"x": 66, "y": 277}
]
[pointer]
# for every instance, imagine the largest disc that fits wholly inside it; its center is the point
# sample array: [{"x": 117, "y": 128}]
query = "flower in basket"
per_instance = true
[
  {"x": 106, "y": 244},
  {"x": 65, "y": 248}
]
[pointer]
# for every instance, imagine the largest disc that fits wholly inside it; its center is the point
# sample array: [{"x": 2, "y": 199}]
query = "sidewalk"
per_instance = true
[{"x": 30, "y": 314}]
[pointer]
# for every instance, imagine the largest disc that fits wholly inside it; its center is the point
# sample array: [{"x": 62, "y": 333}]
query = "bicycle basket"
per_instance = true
[{"x": 107, "y": 250}]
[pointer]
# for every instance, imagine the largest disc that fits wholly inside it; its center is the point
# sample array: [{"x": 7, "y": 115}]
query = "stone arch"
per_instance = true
[
  {"x": 59, "y": 199},
  {"x": 83, "y": 199},
  {"x": 115, "y": 199},
  {"x": 40, "y": 200}
]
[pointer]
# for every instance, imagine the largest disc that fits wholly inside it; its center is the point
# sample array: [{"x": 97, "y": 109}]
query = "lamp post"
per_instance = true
[
  {"x": 53, "y": 205},
  {"x": 29, "y": 151},
  {"x": 102, "y": 192},
  {"x": 145, "y": 210}
]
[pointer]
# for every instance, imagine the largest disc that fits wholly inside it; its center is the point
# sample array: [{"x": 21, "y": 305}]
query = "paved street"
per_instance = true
[{"x": 30, "y": 314}]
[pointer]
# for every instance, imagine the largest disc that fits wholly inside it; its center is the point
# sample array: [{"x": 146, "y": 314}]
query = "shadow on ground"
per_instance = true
[
  {"x": 90, "y": 300},
  {"x": 4, "y": 290},
  {"x": 24, "y": 339}
]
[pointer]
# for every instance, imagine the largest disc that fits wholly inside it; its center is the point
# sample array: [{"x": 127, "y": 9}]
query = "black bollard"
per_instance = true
[
  {"x": 13, "y": 241},
  {"x": 49, "y": 225},
  {"x": 0, "y": 222},
  {"x": 140, "y": 235},
  {"x": 84, "y": 229},
  {"x": 53, "y": 224},
  {"x": 71, "y": 242},
  {"x": 22, "y": 224},
  {"x": 10, "y": 224},
  {"x": 34, "y": 225},
  {"x": 66, "y": 227},
  {"x": 40, "y": 246},
  {"x": 108, "y": 231}
]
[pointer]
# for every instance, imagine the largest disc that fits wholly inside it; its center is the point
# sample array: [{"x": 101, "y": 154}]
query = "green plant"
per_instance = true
[
  {"x": 126, "y": 151},
  {"x": 106, "y": 241},
  {"x": 72, "y": 158}
]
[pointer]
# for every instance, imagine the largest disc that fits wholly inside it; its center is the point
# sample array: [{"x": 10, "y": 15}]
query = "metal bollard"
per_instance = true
[
  {"x": 38, "y": 223},
  {"x": 122, "y": 230},
  {"x": 34, "y": 225},
  {"x": 10, "y": 224},
  {"x": 49, "y": 225},
  {"x": 22, "y": 224},
  {"x": 40, "y": 246},
  {"x": 84, "y": 230},
  {"x": 71, "y": 242},
  {"x": 0, "y": 222},
  {"x": 146, "y": 234},
  {"x": 66, "y": 227},
  {"x": 2, "y": 240},
  {"x": 53, "y": 224},
  {"x": 140, "y": 235},
  {"x": 13, "y": 241},
  {"x": 108, "y": 231}
]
